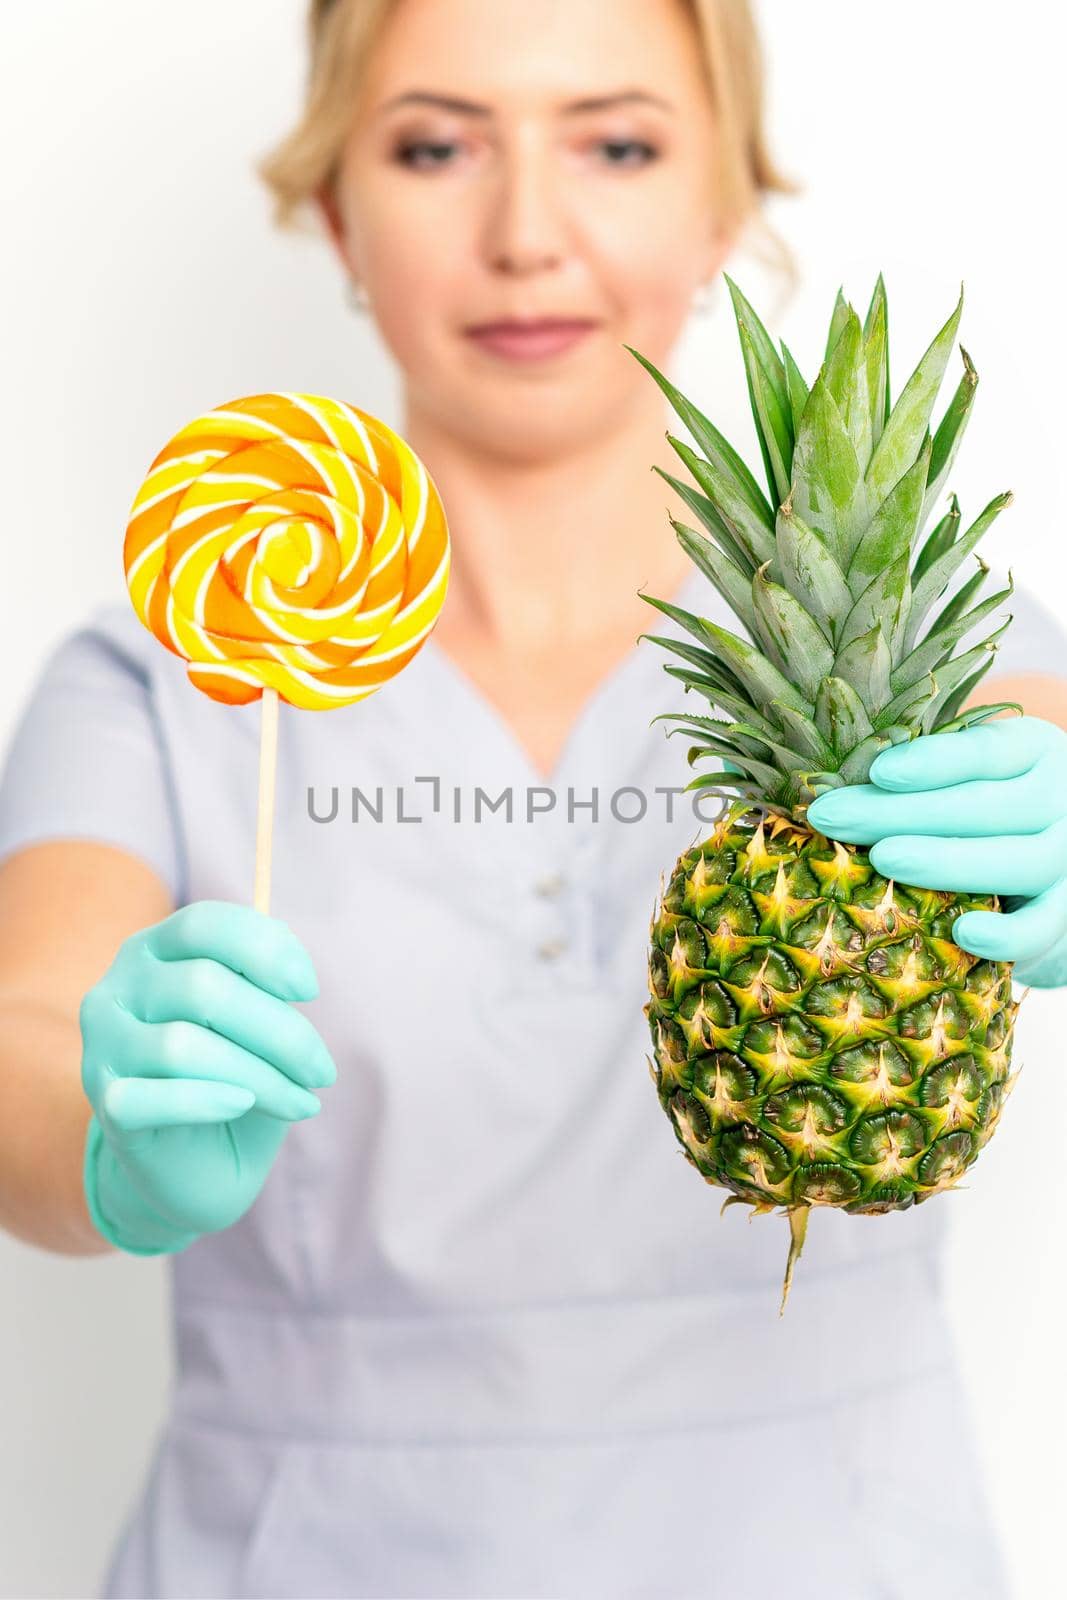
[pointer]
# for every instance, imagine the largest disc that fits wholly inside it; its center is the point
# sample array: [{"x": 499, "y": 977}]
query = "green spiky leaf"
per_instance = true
[
  {"x": 751, "y": 328},
  {"x": 972, "y": 666},
  {"x": 837, "y": 323},
  {"x": 973, "y": 714},
  {"x": 892, "y": 530},
  {"x": 716, "y": 448},
  {"x": 699, "y": 724},
  {"x": 773, "y": 420},
  {"x": 786, "y": 755},
  {"x": 909, "y": 419},
  {"x": 759, "y": 677},
  {"x": 731, "y": 582},
  {"x": 934, "y": 580},
  {"x": 932, "y": 654},
  {"x": 797, "y": 388},
  {"x": 950, "y": 431},
  {"x": 841, "y": 715},
  {"x": 802, "y": 732},
  {"x": 827, "y": 485},
  {"x": 866, "y": 663},
  {"x": 705, "y": 684},
  {"x": 790, "y": 635},
  {"x": 767, "y": 777},
  {"x": 962, "y": 598},
  {"x": 876, "y": 359},
  {"x": 940, "y": 539},
  {"x": 907, "y": 704},
  {"x": 705, "y": 511},
  {"x": 754, "y": 535},
  {"x": 846, "y": 380},
  {"x": 886, "y": 599},
  {"x": 832, "y": 575},
  {"x": 857, "y": 764}
]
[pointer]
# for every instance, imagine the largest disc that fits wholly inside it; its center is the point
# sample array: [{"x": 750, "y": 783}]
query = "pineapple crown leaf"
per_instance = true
[
  {"x": 716, "y": 448},
  {"x": 910, "y": 416},
  {"x": 831, "y": 573},
  {"x": 974, "y": 714},
  {"x": 704, "y": 509},
  {"x": 753, "y": 531}
]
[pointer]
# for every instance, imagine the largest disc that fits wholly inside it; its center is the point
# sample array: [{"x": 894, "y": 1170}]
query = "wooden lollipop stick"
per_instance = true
[{"x": 268, "y": 762}]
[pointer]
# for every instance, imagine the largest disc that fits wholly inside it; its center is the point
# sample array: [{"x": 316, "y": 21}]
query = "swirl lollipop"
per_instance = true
[{"x": 287, "y": 546}]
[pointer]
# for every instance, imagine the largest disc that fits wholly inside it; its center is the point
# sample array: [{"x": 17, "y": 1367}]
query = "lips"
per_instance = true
[{"x": 525, "y": 340}]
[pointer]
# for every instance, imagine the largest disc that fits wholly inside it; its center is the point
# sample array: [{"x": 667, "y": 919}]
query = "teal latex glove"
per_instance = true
[
  {"x": 195, "y": 1064},
  {"x": 981, "y": 809}
]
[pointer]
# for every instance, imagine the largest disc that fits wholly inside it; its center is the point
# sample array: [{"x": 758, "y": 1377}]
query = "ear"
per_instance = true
[
  {"x": 725, "y": 234},
  {"x": 326, "y": 203}
]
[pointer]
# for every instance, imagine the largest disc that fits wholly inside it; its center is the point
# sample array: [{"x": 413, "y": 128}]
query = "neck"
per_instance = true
[{"x": 553, "y": 550}]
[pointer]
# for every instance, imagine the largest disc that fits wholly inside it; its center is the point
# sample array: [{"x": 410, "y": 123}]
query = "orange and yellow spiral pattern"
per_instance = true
[{"x": 291, "y": 542}]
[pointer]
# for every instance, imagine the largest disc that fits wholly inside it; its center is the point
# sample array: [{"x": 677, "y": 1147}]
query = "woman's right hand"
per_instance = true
[{"x": 195, "y": 1063}]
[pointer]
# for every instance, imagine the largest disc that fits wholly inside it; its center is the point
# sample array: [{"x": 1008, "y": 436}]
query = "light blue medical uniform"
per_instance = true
[{"x": 485, "y": 1332}]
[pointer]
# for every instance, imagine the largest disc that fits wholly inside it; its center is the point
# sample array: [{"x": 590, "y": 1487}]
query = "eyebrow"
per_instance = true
[{"x": 423, "y": 97}]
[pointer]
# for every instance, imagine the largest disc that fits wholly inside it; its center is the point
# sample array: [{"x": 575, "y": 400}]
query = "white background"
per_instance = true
[{"x": 142, "y": 284}]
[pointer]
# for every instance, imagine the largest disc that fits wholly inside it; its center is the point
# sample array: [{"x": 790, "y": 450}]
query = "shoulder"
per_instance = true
[
  {"x": 117, "y": 627},
  {"x": 110, "y": 640}
]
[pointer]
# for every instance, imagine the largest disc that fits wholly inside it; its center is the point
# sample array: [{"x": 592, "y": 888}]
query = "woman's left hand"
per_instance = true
[{"x": 982, "y": 809}]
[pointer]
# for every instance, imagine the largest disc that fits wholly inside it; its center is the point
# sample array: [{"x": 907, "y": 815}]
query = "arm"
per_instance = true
[{"x": 65, "y": 907}]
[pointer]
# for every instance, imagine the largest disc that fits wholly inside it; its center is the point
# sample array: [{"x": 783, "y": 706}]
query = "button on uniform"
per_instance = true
[{"x": 548, "y": 887}]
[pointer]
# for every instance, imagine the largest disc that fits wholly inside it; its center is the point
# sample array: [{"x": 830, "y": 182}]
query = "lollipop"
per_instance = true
[{"x": 287, "y": 546}]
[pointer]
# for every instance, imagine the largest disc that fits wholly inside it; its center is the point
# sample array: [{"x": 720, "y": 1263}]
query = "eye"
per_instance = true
[
  {"x": 650, "y": 151},
  {"x": 406, "y": 152}
]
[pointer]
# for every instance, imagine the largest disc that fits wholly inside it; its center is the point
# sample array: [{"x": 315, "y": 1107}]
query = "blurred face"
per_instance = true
[{"x": 515, "y": 163}]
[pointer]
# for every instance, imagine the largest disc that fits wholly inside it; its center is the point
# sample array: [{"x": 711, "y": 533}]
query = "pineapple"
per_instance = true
[{"x": 818, "y": 1037}]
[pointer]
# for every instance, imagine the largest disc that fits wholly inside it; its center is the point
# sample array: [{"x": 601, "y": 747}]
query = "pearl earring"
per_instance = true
[
  {"x": 356, "y": 295},
  {"x": 705, "y": 297}
]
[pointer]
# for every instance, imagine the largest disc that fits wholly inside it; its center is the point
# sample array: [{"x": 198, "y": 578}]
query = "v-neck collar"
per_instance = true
[{"x": 637, "y": 660}]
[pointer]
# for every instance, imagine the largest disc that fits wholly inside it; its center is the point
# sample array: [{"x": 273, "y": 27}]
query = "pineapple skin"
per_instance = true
[{"x": 818, "y": 1038}]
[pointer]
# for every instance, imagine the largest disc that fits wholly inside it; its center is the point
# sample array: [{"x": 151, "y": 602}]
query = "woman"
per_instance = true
[{"x": 474, "y": 1329}]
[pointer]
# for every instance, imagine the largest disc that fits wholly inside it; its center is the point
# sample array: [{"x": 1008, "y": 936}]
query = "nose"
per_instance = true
[{"x": 526, "y": 227}]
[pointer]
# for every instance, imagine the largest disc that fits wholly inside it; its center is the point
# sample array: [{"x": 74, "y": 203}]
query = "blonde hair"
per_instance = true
[{"x": 341, "y": 34}]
